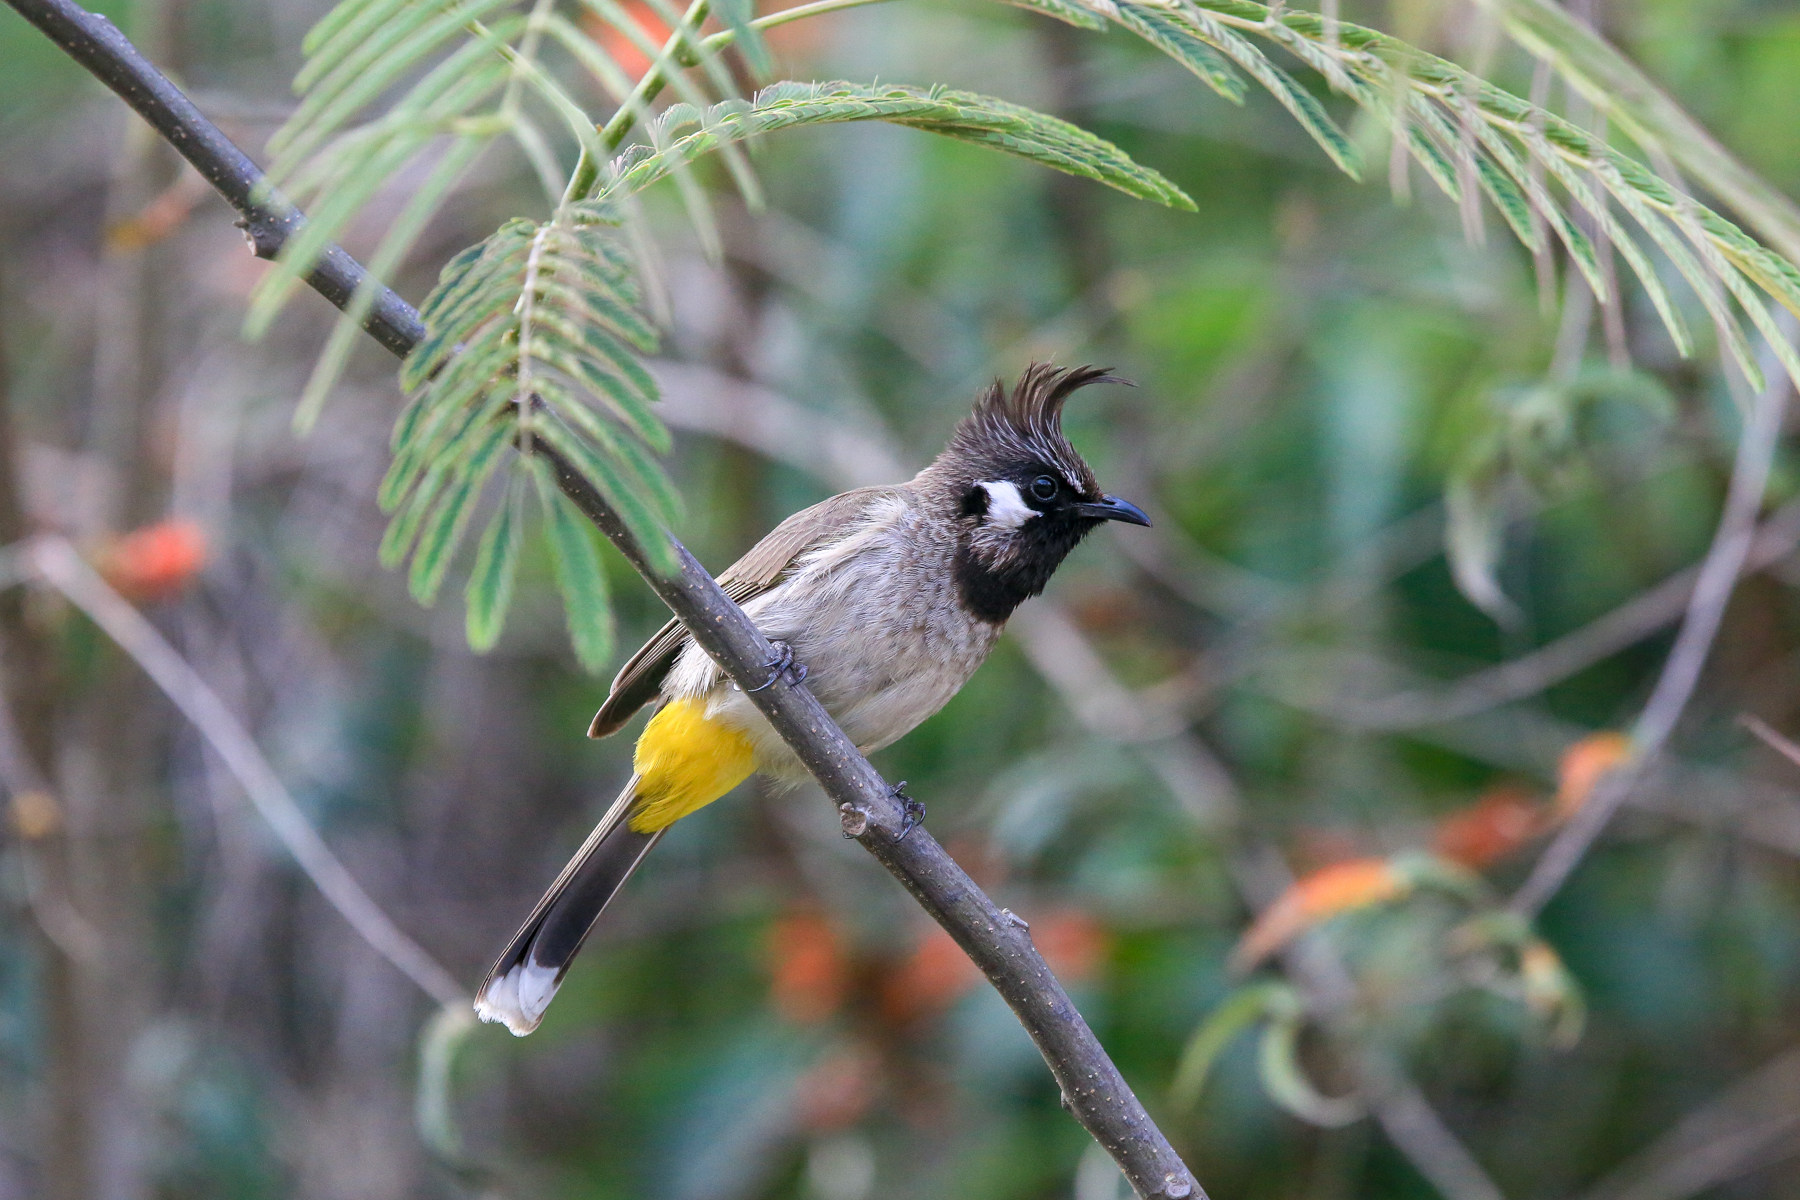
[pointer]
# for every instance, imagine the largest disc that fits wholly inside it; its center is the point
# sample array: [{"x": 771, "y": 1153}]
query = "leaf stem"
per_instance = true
[{"x": 612, "y": 134}]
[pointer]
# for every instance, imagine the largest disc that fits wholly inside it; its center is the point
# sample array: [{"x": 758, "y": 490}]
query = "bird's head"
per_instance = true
[{"x": 1019, "y": 493}]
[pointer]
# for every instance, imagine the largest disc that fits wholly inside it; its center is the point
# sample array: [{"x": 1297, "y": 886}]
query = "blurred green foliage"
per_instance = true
[{"x": 764, "y": 1013}]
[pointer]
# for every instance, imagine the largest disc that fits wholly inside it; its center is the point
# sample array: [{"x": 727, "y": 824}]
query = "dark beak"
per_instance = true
[{"x": 1111, "y": 508}]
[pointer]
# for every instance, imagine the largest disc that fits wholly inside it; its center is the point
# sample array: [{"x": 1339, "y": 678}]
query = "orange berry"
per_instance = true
[
  {"x": 932, "y": 978},
  {"x": 156, "y": 561},
  {"x": 1072, "y": 942}
]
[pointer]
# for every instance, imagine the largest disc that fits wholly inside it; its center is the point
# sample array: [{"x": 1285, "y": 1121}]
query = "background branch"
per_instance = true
[
  {"x": 1719, "y": 573},
  {"x": 63, "y": 569}
]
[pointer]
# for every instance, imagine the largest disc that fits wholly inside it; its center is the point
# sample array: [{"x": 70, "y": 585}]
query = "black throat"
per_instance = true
[{"x": 989, "y": 591}]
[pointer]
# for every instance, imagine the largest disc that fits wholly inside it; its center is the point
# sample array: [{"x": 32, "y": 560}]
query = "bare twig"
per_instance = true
[
  {"x": 64, "y": 569},
  {"x": 1092, "y": 1087},
  {"x": 1775, "y": 741},
  {"x": 1719, "y": 573},
  {"x": 1601, "y": 638},
  {"x": 1751, "y": 1125}
]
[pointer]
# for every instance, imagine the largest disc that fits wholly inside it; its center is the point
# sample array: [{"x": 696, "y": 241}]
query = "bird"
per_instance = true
[{"x": 885, "y": 600}]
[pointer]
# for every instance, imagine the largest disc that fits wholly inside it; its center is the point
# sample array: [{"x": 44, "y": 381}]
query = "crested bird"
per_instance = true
[{"x": 884, "y": 600}]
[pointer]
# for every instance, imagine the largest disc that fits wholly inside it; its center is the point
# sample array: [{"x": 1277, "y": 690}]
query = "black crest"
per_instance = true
[
  {"x": 1013, "y": 436},
  {"x": 1025, "y": 425}
]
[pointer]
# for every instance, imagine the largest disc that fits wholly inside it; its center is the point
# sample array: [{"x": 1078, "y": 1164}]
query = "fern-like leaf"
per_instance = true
[
  {"x": 466, "y": 72},
  {"x": 965, "y": 116},
  {"x": 1538, "y": 169},
  {"x": 578, "y": 575},
  {"x": 532, "y": 341}
]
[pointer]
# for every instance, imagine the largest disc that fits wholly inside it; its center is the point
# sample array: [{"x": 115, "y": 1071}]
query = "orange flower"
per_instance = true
[
  {"x": 156, "y": 561},
  {"x": 621, "y": 48},
  {"x": 1072, "y": 942},
  {"x": 1323, "y": 894},
  {"x": 809, "y": 973},
  {"x": 1582, "y": 766},
  {"x": 931, "y": 979},
  {"x": 1501, "y": 821}
]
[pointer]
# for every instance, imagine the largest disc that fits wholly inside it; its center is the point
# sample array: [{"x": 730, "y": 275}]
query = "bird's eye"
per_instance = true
[{"x": 1043, "y": 487}]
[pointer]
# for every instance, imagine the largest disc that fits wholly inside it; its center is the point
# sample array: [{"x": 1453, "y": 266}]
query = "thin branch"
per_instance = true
[
  {"x": 1775, "y": 741},
  {"x": 1719, "y": 573},
  {"x": 1601, "y": 638},
  {"x": 1750, "y": 1125},
  {"x": 1092, "y": 1088},
  {"x": 64, "y": 570},
  {"x": 674, "y": 55}
]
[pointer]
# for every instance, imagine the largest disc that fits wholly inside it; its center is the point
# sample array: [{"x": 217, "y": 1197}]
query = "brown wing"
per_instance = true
[{"x": 640, "y": 679}]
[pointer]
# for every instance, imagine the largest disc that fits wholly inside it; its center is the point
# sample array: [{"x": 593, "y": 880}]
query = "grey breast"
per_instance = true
[{"x": 875, "y": 619}]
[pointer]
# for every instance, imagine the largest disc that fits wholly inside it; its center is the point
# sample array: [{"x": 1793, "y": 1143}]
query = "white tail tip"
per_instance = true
[{"x": 518, "y": 998}]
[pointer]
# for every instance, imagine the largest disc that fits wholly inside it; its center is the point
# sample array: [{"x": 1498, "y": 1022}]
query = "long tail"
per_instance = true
[{"x": 520, "y": 986}]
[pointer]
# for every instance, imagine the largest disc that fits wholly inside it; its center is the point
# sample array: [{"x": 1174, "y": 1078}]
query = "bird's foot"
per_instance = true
[
  {"x": 913, "y": 810},
  {"x": 781, "y": 665}
]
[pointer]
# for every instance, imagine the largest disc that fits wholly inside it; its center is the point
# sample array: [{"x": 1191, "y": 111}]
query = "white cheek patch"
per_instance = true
[{"x": 1006, "y": 508}]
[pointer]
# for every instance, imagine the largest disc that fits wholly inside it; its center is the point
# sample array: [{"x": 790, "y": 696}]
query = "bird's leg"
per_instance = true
[
  {"x": 915, "y": 812},
  {"x": 781, "y": 665}
]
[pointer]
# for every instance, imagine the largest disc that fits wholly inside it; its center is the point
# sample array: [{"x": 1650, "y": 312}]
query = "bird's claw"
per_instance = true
[
  {"x": 781, "y": 665},
  {"x": 913, "y": 810}
]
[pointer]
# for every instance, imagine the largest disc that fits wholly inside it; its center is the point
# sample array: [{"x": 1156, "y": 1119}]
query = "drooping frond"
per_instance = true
[
  {"x": 455, "y": 75},
  {"x": 1627, "y": 98},
  {"x": 965, "y": 116},
  {"x": 1544, "y": 174},
  {"x": 533, "y": 338}
]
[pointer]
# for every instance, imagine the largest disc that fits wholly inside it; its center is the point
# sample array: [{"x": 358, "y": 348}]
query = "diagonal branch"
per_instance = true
[
  {"x": 1000, "y": 944},
  {"x": 1633, "y": 621},
  {"x": 64, "y": 570},
  {"x": 1713, "y": 587}
]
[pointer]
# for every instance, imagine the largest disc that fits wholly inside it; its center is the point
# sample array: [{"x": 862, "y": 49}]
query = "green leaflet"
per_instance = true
[
  {"x": 638, "y": 515},
  {"x": 1285, "y": 1080},
  {"x": 496, "y": 564},
  {"x": 736, "y": 16},
  {"x": 394, "y": 247},
  {"x": 1296, "y": 99},
  {"x": 964, "y": 115},
  {"x": 578, "y": 575},
  {"x": 1062, "y": 10},
  {"x": 1238, "y": 1012},
  {"x": 1176, "y": 38},
  {"x": 441, "y": 534},
  {"x": 533, "y": 334}
]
